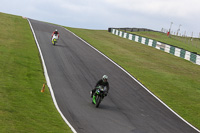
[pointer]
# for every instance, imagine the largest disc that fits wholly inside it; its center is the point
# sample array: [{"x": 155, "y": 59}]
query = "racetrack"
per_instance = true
[{"x": 74, "y": 68}]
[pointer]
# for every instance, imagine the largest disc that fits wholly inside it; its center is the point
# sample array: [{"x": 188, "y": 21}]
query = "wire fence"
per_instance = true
[{"x": 189, "y": 40}]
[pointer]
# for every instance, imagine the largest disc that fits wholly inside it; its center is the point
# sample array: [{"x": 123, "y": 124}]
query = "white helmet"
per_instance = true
[
  {"x": 105, "y": 77},
  {"x": 56, "y": 30}
]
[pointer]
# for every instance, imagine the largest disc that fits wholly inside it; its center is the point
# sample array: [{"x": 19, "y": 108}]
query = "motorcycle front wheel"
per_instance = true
[
  {"x": 54, "y": 41},
  {"x": 98, "y": 101}
]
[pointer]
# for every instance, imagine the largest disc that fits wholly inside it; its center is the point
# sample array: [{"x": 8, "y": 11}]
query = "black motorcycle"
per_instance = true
[{"x": 98, "y": 96}]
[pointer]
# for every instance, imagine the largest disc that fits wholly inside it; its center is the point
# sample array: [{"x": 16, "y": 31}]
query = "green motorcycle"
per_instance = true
[{"x": 98, "y": 96}]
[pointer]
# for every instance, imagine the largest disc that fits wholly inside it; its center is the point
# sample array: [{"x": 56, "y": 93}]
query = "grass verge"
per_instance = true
[
  {"x": 23, "y": 108},
  {"x": 174, "y": 80},
  {"x": 187, "y": 43}
]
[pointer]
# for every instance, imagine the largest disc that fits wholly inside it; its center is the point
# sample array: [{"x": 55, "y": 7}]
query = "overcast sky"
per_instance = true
[{"x": 101, "y": 14}]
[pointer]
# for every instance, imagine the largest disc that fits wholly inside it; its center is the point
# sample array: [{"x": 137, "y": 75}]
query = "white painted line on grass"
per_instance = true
[
  {"x": 135, "y": 80},
  {"x": 48, "y": 81}
]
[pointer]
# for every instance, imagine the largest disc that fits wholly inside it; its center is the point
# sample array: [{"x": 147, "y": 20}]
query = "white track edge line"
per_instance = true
[
  {"x": 135, "y": 80},
  {"x": 48, "y": 81}
]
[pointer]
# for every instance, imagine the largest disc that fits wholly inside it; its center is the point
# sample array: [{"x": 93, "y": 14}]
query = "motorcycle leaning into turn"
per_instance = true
[
  {"x": 54, "y": 39},
  {"x": 99, "y": 95}
]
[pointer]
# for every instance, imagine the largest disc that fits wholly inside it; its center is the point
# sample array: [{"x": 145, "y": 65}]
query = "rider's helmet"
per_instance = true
[
  {"x": 56, "y": 30},
  {"x": 105, "y": 78}
]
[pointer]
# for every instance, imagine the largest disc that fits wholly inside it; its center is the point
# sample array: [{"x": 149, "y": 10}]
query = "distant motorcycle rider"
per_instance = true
[
  {"x": 55, "y": 33},
  {"x": 102, "y": 82}
]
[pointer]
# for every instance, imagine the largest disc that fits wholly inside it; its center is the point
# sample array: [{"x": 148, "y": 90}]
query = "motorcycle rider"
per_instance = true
[
  {"x": 56, "y": 33},
  {"x": 102, "y": 82}
]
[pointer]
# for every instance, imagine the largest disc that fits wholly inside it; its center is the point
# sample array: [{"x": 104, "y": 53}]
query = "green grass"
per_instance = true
[
  {"x": 23, "y": 108},
  {"x": 174, "y": 80},
  {"x": 181, "y": 42}
]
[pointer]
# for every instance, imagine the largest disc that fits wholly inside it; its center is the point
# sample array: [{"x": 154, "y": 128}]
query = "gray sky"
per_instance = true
[{"x": 101, "y": 14}]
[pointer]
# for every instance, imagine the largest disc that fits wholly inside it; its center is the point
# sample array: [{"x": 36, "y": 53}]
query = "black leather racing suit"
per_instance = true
[{"x": 100, "y": 82}]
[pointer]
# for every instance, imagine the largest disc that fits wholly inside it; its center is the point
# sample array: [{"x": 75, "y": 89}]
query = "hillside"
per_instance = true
[
  {"x": 23, "y": 108},
  {"x": 174, "y": 80},
  {"x": 187, "y": 43}
]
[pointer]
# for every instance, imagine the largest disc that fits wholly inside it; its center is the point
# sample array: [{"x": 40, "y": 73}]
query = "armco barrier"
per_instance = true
[{"x": 195, "y": 58}]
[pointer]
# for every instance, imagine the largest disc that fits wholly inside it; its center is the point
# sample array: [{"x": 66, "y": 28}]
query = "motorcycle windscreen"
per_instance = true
[{"x": 55, "y": 36}]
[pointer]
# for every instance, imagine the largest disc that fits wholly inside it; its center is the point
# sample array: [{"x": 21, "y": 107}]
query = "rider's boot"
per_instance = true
[{"x": 91, "y": 94}]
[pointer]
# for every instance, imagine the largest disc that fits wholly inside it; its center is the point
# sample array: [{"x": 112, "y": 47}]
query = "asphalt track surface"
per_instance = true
[{"x": 74, "y": 68}]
